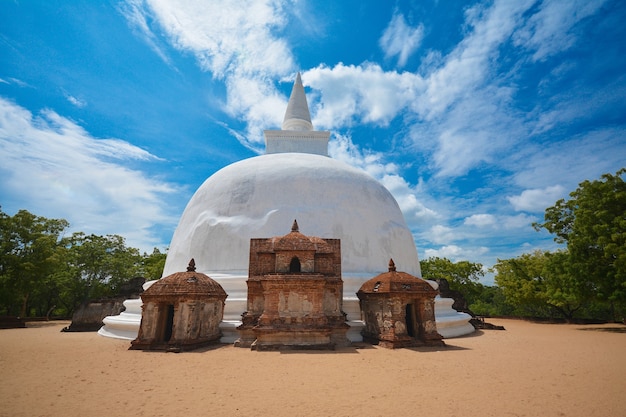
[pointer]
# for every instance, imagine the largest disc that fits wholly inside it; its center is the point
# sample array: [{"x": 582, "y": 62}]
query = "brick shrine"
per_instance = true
[
  {"x": 181, "y": 312},
  {"x": 295, "y": 294},
  {"x": 399, "y": 310}
]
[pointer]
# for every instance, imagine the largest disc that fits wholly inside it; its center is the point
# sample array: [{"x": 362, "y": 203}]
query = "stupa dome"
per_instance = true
[{"x": 258, "y": 197}]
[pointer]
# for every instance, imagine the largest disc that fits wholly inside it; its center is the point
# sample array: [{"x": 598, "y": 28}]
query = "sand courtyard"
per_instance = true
[{"x": 529, "y": 369}]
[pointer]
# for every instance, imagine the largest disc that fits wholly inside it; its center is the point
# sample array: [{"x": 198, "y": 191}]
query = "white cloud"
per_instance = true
[
  {"x": 401, "y": 40},
  {"x": 456, "y": 253},
  {"x": 236, "y": 41},
  {"x": 342, "y": 148},
  {"x": 62, "y": 172},
  {"x": 457, "y": 112},
  {"x": 520, "y": 221},
  {"x": 465, "y": 109},
  {"x": 261, "y": 104},
  {"x": 499, "y": 222},
  {"x": 470, "y": 109},
  {"x": 416, "y": 212},
  {"x": 588, "y": 103},
  {"x": 537, "y": 200},
  {"x": 76, "y": 101},
  {"x": 550, "y": 30},
  {"x": 467, "y": 66},
  {"x": 364, "y": 94},
  {"x": 474, "y": 132},
  {"x": 225, "y": 36},
  {"x": 582, "y": 157},
  {"x": 137, "y": 17},
  {"x": 16, "y": 81},
  {"x": 440, "y": 234},
  {"x": 480, "y": 220},
  {"x": 459, "y": 109}
]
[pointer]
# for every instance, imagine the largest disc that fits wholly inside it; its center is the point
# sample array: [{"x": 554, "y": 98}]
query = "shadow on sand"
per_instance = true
[
  {"x": 616, "y": 329},
  {"x": 449, "y": 344},
  {"x": 353, "y": 348}
]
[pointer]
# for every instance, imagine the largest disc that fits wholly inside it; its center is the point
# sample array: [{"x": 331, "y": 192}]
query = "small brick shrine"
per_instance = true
[
  {"x": 295, "y": 294},
  {"x": 399, "y": 310},
  {"x": 181, "y": 312}
]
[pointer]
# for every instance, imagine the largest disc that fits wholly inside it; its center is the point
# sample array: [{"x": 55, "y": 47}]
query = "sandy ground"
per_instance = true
[{"x": 528, "y": 370}]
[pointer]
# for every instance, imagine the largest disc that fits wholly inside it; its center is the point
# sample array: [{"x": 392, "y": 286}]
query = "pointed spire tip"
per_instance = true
[{"x": 297, "y": 116}]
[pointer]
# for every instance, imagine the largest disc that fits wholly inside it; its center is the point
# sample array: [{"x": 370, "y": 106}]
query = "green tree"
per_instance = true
[
  {"x": 592, "y": 222},
  {"x": 540, "y": 284},
  {"x": 96, "y": 267},
  {"x": 29, "y": 254},
  {"x": 152, "y": 265},
  {"x": 40, "y": 270},
  {"x": 492, "y": 302},
  {"x": 463, "y": 276},
  {"x": 521, "y": 281}
]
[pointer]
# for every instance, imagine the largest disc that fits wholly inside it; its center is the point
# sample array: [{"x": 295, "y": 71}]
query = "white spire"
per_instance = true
[
  {"x": 297, "y": 116},
  {"x": 297, "y": 134}
]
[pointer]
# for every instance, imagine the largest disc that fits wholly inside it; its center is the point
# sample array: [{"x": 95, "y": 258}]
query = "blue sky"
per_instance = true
[{"x": 475, "y": 115}]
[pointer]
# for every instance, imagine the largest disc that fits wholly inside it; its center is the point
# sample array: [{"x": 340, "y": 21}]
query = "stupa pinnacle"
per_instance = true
[
  {"x": 297, "y": 116},
  {"x": 297, "y": 134},
  {"x": 258, "y": 196}
]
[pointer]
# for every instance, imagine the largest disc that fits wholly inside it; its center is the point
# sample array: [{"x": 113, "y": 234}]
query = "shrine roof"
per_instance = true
[
  {"x": 188, "y": 283},
  {"x": 394, "y": 281}
]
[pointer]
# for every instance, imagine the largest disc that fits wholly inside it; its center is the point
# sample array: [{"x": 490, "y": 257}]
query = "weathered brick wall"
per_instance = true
[
  {"x": 287, "y": 307},
  {"x": 264, "y": 259},
  {"x": 386, "y": 321}
]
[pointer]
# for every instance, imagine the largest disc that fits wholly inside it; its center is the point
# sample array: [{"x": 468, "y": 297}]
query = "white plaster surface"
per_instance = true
[
  {"x": 260, "y": 197},
  {"x": 281, "y": 141},
  {"x": 451, "y": 323},
  {"x": 297, "y": 115},
  {"x": 124, "y": 325}
]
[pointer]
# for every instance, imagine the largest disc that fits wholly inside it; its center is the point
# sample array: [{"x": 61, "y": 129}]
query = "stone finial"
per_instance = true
[
  {"x": 392, "y": 265},
  {"x": 294, "y": 226},
  {"x": 192, "y": 266}
]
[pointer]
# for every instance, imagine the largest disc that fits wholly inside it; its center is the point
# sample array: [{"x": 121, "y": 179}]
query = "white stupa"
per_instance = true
[{"x": 261, "y": 196}]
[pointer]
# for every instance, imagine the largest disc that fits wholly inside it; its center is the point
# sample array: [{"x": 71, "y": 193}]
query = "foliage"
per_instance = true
[
  {"x": 28, "y": 255},
  {"x": 492, "y": 302},
  {"x": 152, "y": 265},
  {"x": 95, "y": 266},
  {"x": 593, "y": 225},
  {"x": 462, "y": 276},
  {"x": 540, "y": 285},
  {"x": 41, "y": 271}
]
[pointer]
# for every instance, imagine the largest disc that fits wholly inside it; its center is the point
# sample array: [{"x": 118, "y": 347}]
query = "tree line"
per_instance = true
[
  {"x": 42, "y": 271},
  {"x": 584, "y": 280}
]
